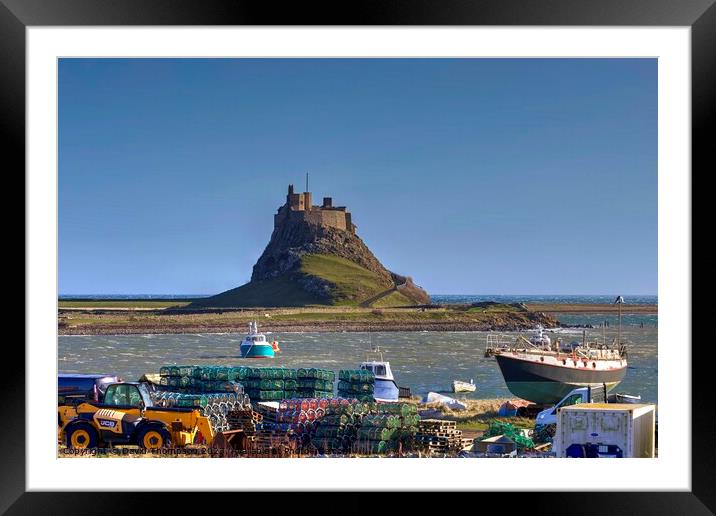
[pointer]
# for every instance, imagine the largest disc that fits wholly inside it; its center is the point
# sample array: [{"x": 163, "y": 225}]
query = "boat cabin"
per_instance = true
[{"x": 381, "y": 370}]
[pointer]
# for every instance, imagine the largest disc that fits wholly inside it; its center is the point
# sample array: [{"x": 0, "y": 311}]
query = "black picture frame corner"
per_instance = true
[{"x": 17, "y": 15}]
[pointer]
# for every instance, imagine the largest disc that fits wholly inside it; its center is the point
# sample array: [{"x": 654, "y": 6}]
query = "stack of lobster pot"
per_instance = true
[
  {"x": 338, "y": 428},
  {"x": 201, "y": 379},
  {"x": 391, "y": 429},
  {"x": 269, "y": 383},
  {"x": 315, "y": 383},
  {"x": 212, "y": 389},
  {"x": 356, "y": 383},
  {"x": 215, "y": 406}
]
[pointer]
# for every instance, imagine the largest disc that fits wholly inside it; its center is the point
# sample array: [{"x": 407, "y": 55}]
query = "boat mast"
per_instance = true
[
  {"x": 620, "y": 302},
  {"x": 619, "y": 337}
]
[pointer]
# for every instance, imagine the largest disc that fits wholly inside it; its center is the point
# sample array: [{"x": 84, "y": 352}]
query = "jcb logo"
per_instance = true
[{"x": 107, "y": 423}]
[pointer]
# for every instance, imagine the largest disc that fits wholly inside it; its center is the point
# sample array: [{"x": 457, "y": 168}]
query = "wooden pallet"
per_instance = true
[
  {"x": 438, "y": 422},
  {"x": 440, "y": 436},
  {"x": 453, "y": 433}
]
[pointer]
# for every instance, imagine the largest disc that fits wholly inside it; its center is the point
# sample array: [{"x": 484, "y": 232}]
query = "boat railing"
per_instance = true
[{"x": 496, "y": 342}]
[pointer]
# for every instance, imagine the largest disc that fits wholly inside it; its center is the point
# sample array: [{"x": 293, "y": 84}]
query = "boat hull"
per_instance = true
[
  {"x": 549, "y": 383},
  {"x": 385, "y": 390},
  {"x": 257, "y": 351}
]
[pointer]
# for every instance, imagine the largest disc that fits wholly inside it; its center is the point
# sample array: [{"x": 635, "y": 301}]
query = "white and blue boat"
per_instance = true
[
  {"x": 255, "y": 344},
  {"x": 385, "y": 388}
]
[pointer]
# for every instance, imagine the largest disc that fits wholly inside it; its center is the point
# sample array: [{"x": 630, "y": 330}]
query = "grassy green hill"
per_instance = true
[{"x": 347, "y": 284}]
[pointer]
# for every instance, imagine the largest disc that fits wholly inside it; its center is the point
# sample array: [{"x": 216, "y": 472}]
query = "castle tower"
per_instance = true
[{"x": 299, "y": 209}]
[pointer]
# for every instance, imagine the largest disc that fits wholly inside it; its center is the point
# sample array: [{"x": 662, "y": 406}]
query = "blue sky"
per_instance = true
[{"x": 474, "y": 176}]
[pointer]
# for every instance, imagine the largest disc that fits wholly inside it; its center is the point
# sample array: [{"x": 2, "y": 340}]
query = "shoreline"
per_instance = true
[{"x": 454, "y": 318}]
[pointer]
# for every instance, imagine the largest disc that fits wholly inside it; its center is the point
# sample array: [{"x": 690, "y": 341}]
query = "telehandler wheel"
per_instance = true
[
  {"x": 81, "y": 436},
  {"x": 153, "y": 438}
]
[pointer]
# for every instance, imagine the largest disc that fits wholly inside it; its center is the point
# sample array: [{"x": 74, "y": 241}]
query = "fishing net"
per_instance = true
[
  {"x": 544, "y": 433},
  {"x": 511, "y": 431}
]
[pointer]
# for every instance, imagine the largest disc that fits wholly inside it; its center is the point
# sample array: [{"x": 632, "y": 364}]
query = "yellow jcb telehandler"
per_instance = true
[{"x": 127, "y": 416}]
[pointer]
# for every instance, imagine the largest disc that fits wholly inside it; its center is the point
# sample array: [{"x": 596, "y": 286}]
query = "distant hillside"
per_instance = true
[
  {"x": 318, "y": 280},
  {"x": 314, "y": 257}
]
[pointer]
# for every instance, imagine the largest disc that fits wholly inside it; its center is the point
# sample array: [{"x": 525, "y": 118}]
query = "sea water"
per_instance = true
[{"x": 423, "y": 361}]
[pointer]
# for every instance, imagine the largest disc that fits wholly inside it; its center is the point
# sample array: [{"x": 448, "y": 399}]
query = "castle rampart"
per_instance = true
[{"x": 299, "y": 208}]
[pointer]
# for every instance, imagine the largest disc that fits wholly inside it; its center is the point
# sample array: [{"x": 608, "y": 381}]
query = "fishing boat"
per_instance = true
[
  {"x": 460, "y": 386},
  {"x": 542, "y": 371},
  {"x": 255, "y": 344},
  {"x": 385, "y": 388}
]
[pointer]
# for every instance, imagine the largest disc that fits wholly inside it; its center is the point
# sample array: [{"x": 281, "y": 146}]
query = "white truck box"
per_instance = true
[{"x": 599, "y": 428}]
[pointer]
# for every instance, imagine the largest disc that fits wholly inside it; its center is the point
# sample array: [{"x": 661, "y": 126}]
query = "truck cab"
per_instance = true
[
  {"x": 579, "y": 395},
  {"x": 74, "y": 388}
]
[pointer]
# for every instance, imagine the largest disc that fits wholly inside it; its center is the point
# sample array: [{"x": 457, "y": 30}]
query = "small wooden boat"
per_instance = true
[{"x": 460, "y": 386}]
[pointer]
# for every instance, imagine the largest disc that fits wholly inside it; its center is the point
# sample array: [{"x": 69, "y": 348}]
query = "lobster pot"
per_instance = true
[
  {"x": 265, "y": 395},
  {"x": 356, "y": 376},
  {"x": 355, "y": 388},
  {"x": 315, "y": 384},
  {"x": 356, "y": 383},
  {"x": 327, "y": 444},
  {"x": 271, "y": 373},
  {"x": 191, "y": 400},
  {"x": 265, "y": 385},
  {"x": 316, "y": 374},
  {"x": 377, "y": 433},
  {"x": 228, "y": 373},
  {"x": 291, "y": 393},
  {"x": 381, "y": 421},
  {"x": 216, "y": 386},
  {"x": 371, "y": 447},
  {"x": 290, "y": 384},
  {"x": 177, "y": 370},
  {"x": 329, "y": 431},
  {"x": 398, "y": 409},
  {"x": 337, "y": 419},
  {"x": 411, "y": 420},
  {"x": 332, "y": 445},
  {"x": 313, "y": 393}
]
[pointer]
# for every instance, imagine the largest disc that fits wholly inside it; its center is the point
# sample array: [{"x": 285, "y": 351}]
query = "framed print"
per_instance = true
[{"x": 416, "y": 242}]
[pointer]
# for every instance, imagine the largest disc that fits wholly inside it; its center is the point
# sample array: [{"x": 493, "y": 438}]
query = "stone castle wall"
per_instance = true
[
  {"x": 298, "y": 209},
  {"x": 331, "y": 218}
]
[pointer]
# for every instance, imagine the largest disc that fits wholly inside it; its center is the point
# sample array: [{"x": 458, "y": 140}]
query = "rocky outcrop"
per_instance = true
[{"x": 292, "y": 240}]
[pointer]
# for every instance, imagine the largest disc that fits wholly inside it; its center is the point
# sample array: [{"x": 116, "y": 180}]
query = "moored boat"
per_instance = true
[
  {"x": 544, "y": 372},
  {"x": 385, "y": 388},
  {"x": 538, "y": 370},
  {"x": 255, "y": 344},
  {"x": 460, "y": 386}
]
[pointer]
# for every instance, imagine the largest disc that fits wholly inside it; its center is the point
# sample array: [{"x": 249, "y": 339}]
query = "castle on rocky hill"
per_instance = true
[
  {"x": 299, "y": 208},
  {"x": 314, "y": 256}
]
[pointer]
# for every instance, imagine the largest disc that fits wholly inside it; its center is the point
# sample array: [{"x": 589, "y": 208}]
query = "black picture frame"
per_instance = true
[{"x": 700, "y": 15}]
